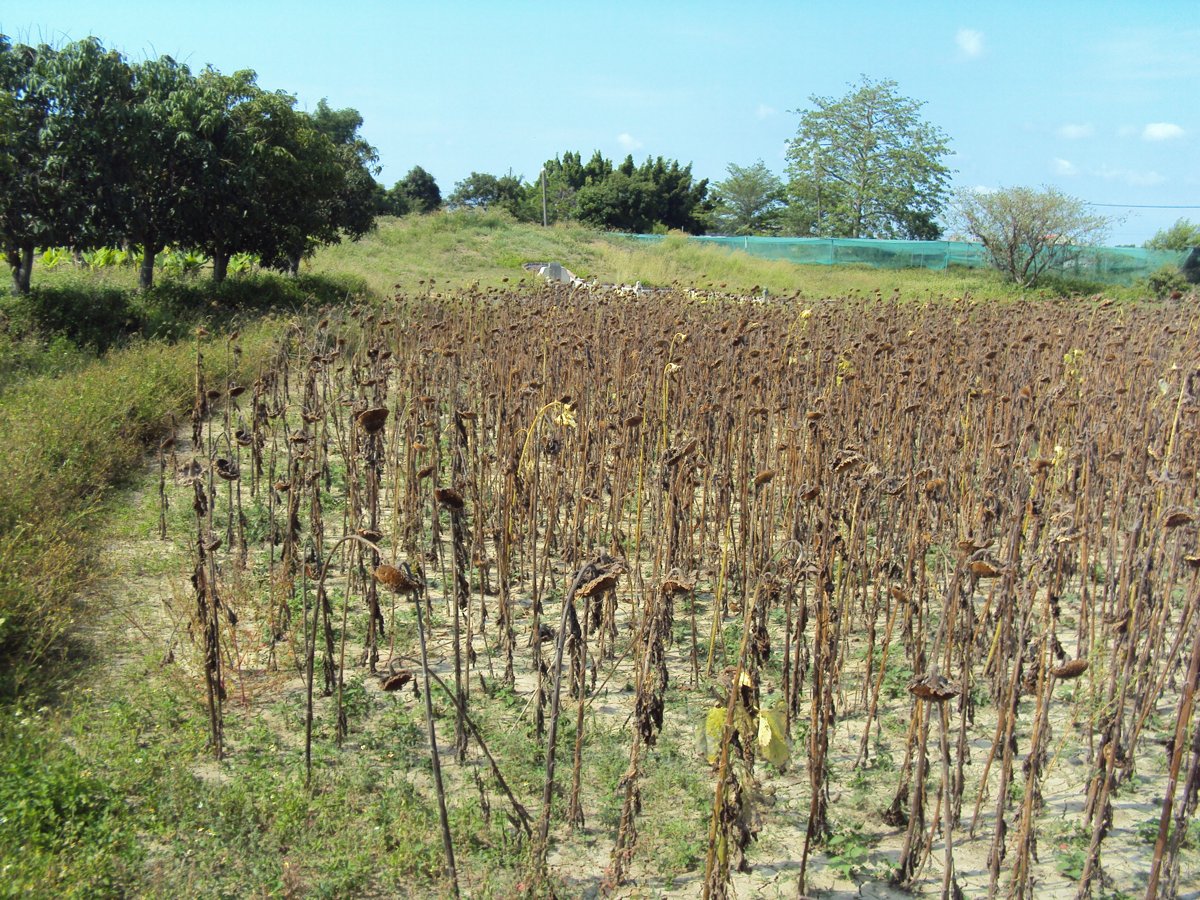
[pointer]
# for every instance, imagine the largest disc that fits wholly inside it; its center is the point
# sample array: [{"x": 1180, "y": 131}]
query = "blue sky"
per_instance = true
[{"x": 1097, "y": 98}]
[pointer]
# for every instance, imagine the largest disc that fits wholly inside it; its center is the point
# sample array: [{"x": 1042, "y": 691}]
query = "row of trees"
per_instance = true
[
  {"x": 865, "y": 165},
  {"x": 658, "y": 194},
  {"x": 98, "y": 151},
  {"x": 101, "y": 151}
]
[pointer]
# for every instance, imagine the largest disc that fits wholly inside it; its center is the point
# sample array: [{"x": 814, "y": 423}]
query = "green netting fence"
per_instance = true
[{"x": 1112, "y": 265}]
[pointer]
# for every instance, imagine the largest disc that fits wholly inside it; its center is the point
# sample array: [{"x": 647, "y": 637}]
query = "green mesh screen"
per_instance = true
[{"x": 1114, "y": 265}]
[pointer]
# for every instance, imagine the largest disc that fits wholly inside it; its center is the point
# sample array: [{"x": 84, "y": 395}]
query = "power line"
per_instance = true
[{"x": 1139, "y": 206}]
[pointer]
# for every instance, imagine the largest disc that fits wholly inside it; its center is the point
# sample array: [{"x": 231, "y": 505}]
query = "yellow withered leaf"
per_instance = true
[
  {"x": 772, "y": 737},
  {"x": 714, "y": 725}
]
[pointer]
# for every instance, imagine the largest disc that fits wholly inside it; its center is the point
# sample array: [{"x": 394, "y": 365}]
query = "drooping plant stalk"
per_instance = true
[{"x": 716, "y": 859}]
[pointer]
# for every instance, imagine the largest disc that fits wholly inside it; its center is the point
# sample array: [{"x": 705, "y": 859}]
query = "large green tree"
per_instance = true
[
  {"x": 95, "y": 151},
  {"x": 624, "y": 197},
  {"x": 66, "y": 118},
  {"x": 748, "y": 200},
  {"x": 867, "y": 165},
  {"x": 170, "y": 146},
  {"x": 621, "y": 201},
  {"x": 356, "y": 198}
]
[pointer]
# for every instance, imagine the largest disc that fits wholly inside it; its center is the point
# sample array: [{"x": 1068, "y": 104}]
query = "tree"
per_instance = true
[
  {"x": 396, "y": 201},
  {"x": 65, "y": 114},
  {"x": 677, "y": 201},
  {"x": 748, "y": 201},
  {"x": 621, "y": 202},
  {"x": 420, "y": 189},
  {"x": 1027, "y": 231},
  {"x": 356, "y": 201},
  {"x": 480, "y": 190},
  {"x": 1183, "y": 235},
  {"x": 867, "y": 165},
  {"x": 170, "y": 145}
]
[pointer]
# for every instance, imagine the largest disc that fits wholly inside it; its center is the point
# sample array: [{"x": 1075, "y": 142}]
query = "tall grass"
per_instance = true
[
  {"x": 457, "y": 249},
  {"x": 65, "y": 442}
]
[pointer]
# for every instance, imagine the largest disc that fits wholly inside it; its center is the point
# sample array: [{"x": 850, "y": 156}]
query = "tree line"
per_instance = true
[{"x": 100, "y": 151}]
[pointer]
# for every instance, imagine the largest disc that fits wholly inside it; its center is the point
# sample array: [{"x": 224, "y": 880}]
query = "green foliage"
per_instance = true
[
  {"x": 1026, "y": 231},
  {"x": 1183, "y": 235},
  {"x": 100, "y": 313},
  {"x": 100, "y": 257},
  {"x": 748, "y": 201},
  {"x": 620, "y": 202},
  {"x": 1165, "y": 282},
  {"x": 867, "y": 165},
  {"x": 183, "y": 263},
  {"x": 1147, "y": 832},
  {"x": 848, "y": 850},
  {"x": 1070, "y": 862},
  {"x": 101, "y": 152},
  {"x": 23, "y": 355},
  {"x": 416, "y": 192},
  {"x": 58, "y": 818},
  {"x": 54, "y": 257},
  {"x": 480, "y": 190},
  {"x": 658, "y": 195}
]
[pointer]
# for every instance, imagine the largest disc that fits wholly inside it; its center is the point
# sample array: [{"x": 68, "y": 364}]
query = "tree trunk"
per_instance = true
[
  {"x": 294, "y": 265},
  {"x": 220, "y": 265},
  {"x": 146, "y": 270},
  {"x": 20, "y": 260}
]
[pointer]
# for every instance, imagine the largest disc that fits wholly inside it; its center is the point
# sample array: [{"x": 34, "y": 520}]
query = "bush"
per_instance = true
[{"x": 1165, "y": 282}]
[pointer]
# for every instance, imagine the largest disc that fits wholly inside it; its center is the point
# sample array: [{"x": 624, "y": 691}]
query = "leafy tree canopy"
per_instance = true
[
  {"x": 419, "y": 190},
  {"x": 1183, "y": 235},
  {"x": 479, "y": 190},
  {"x": 867, "y": 165},
  {"x": 98, "y": 151},
  {"x": 748, "y": 200},
  {"x": 660, "y": 193}
]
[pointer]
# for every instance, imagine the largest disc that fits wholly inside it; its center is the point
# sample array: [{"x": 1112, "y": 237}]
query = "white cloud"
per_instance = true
[
  {"x": 628, "y": 141},
  {"x": 1074, "y": 132},
  {"x": 765, "y": 112},
  {"x": 1161, "y": 131},
  {"x": 970, "y": 42},
  {"x": 1065, "y": 167}
]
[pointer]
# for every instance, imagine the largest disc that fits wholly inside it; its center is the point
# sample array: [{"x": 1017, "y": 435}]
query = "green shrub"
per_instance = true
[{"x": 1165, "y": 281}]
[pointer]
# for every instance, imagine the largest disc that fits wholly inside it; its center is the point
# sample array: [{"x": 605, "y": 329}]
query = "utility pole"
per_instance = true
[{"x": 544, "y": 223}]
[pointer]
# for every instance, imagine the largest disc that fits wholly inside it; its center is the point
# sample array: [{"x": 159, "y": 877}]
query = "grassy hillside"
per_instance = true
[{"x": 462, "y": 248}]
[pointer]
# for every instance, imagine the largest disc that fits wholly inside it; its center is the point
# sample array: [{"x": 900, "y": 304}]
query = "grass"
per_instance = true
[
  {"x": 65, "y": 442},
  {"x": 458, "y": 249},
  {"x": 99, "y": 310}
]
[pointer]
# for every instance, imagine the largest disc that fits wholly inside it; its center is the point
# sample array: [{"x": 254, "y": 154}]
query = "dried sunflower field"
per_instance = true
[{"x": 697, "y": 596}]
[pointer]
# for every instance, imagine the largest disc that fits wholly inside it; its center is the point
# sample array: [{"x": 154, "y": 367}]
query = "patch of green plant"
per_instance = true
[
  {"x": 896, "y": 676},
  {"x": 848, "y": 850},
  {"x": 1147, "y": 833},
  {"x": 1070, "y": 862}
]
